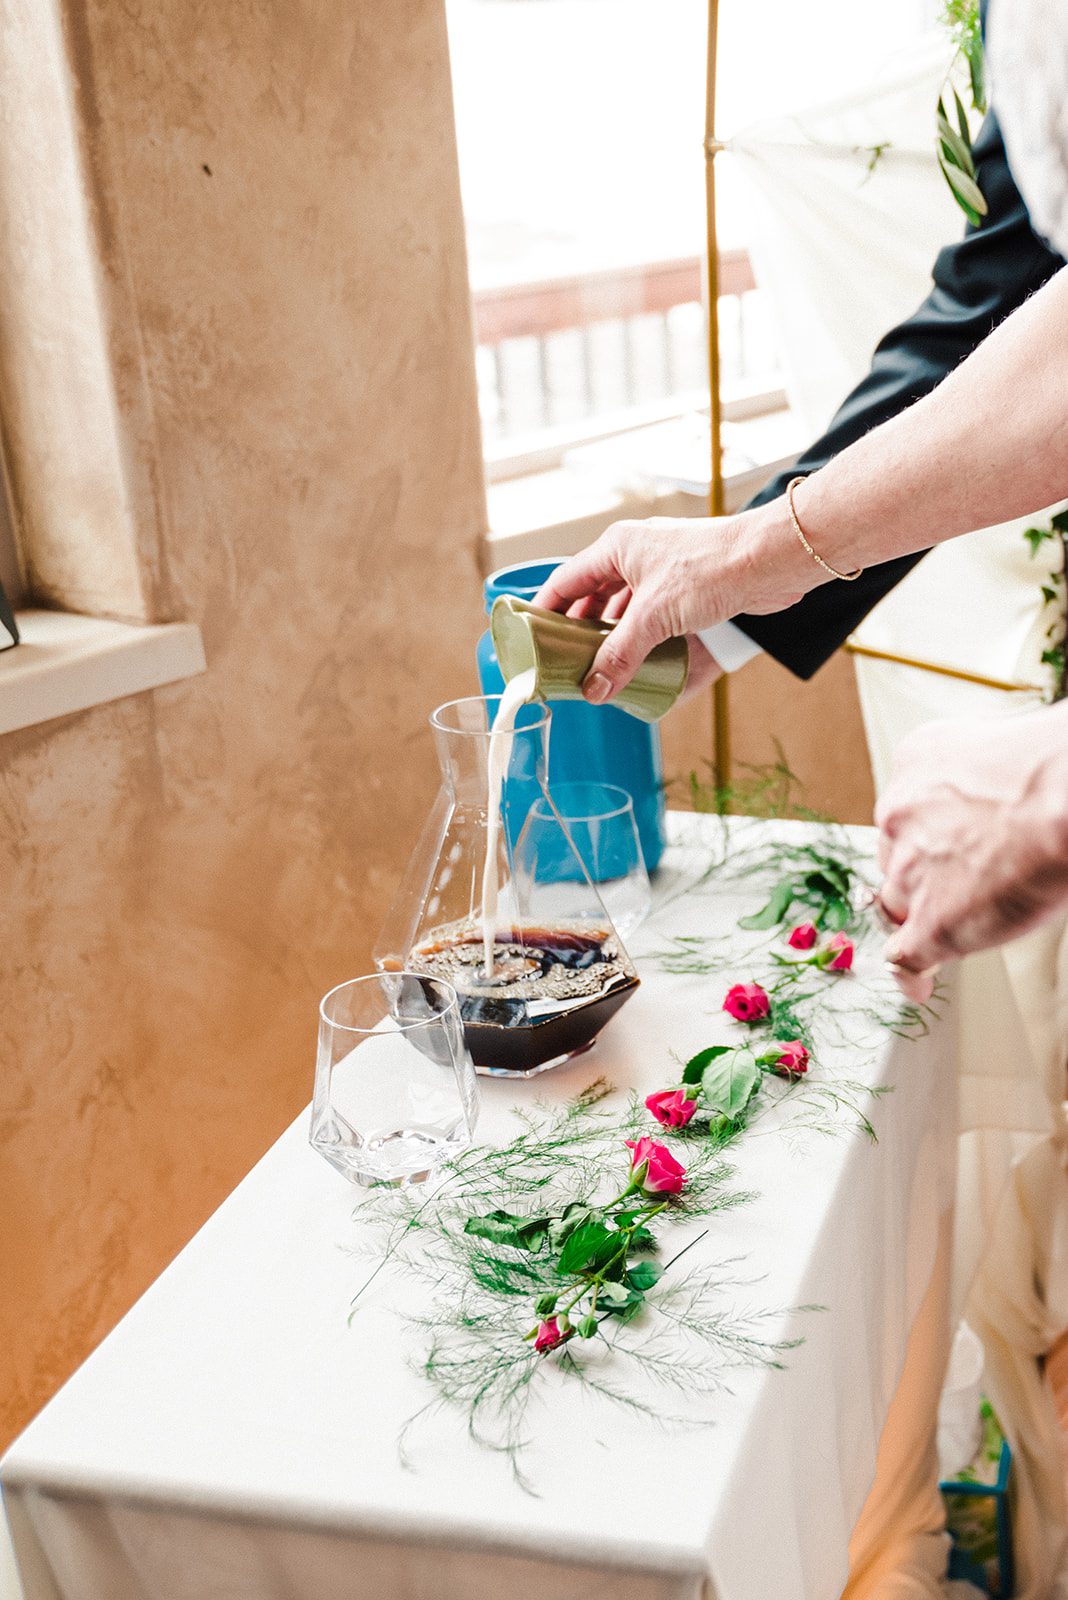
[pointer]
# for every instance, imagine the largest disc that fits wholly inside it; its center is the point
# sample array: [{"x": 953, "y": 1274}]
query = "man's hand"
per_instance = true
[
  {"x": 974, "y": 838},
  {"x": 664, "y": 578}
]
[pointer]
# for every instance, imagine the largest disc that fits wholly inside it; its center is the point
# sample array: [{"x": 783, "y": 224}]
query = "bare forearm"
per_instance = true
[{"x": 990, "y": 443}]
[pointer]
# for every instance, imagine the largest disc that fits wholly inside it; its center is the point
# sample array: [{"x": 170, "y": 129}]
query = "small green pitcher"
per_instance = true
[{"x": 561, "y": 650}]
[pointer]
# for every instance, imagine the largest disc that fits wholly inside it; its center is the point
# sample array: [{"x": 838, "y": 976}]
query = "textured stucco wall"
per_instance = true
[{"x": 273, "y": 191}]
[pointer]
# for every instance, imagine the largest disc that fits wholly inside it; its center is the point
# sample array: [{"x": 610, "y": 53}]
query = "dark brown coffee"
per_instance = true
[{"x": 551, "y": 992}]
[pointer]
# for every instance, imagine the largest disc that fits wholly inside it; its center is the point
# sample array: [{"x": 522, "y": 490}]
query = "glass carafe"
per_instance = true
[{"x": 560, "y": 970}]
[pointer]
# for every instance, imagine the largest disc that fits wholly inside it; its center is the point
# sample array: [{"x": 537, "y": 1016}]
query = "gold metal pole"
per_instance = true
[
  {"x": 720, "y": 694},
  {"x": 920, "y": 665}
]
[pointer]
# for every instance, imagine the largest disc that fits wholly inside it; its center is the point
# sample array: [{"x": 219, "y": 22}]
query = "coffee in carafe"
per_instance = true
[{"x": 521, "y": 934}]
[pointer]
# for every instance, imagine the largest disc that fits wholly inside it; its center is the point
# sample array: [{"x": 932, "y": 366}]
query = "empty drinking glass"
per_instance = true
[
  {"x": 395, "y": 1088},
  {"x": 599, "y": 817}
]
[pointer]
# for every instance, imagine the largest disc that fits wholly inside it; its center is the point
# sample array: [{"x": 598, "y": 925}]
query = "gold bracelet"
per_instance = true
[{"x": 846, "y": 577}]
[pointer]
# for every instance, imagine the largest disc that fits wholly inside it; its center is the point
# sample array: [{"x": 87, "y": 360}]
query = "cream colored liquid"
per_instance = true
[{"x": 516, "y": 694}]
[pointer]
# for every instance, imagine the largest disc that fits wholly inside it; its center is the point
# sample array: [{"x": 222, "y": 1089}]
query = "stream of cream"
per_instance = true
[{"x": 516, "y": 694}]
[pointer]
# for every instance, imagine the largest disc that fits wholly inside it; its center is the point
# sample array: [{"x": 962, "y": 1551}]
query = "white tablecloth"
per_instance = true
[{"x": 234, "y": 1437}]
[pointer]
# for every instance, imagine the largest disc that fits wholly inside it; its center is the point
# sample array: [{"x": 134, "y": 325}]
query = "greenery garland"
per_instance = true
[{"x": 554, "y": 1256}]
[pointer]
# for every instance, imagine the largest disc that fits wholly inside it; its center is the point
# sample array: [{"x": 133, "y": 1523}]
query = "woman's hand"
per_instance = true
[
  {"x": 665, "y": 577},
  {"x": 974, "y": 838}
]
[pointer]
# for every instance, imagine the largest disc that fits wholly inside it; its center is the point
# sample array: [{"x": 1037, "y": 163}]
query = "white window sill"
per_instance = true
[
  {"x": 558, "y": 512},
  {"x": 67, "y": 663}
]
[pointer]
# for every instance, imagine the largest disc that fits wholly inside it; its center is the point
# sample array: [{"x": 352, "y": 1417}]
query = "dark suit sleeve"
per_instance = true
[{"x": 977, "y": 283}]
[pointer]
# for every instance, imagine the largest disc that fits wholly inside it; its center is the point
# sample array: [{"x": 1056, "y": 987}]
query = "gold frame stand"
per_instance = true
[{"x": 721, "y": 709}]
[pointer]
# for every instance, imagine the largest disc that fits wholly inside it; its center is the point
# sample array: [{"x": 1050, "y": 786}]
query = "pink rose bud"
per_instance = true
[
  {"x": 803, "y": 937},
  {"x": 842, "y": 959},
  {"x": 747, "y": 1002},
  {"x": 551, "y": 1335},
  {"x": 655, "y": 1167},
  {"x": 792, "y": 1057},
  {"x": 671, "y": 1107}
]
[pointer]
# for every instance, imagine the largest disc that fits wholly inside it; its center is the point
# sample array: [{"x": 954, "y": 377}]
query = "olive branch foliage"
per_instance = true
[{"x": 956, "y": 159}]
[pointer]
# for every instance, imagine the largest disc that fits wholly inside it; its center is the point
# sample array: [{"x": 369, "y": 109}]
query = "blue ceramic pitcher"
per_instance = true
[{"x": 597, "y": 743}]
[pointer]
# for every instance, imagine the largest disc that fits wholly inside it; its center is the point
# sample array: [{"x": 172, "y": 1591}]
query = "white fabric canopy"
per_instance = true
[
  {"x": 842, "y": 238},
  {"x": 844, "y": 257},
  {"x": 1028, "y": 48},
  {"x": 235, "y": 1437}
]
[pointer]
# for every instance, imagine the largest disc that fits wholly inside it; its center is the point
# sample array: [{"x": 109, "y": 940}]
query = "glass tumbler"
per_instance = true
[
  {"x": 599, "y": 819},
  {"x": 395, "y": 1087}
]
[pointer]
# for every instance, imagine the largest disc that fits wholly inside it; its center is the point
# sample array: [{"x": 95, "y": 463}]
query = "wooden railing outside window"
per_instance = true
[{"x": 562, "y": 350}]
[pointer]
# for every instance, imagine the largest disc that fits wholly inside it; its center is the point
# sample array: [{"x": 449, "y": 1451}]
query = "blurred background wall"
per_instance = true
[
  {"x": 274, "y": 221},
  {"x": 241, "y": 227}
]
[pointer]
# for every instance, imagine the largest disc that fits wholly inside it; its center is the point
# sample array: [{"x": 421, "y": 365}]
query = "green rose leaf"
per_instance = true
[
  {"x": 836, "y": 915},
  {"x": 613, "y": 1295},
  {"x": 729, "y": 1083},
  {"x": 831, "y": 877},
  {"x": 694, "y": 1070},
  {"x": 562, "y": 1227},
  {"x": 642, "y": 1239},
  {"x": 503, "y": 1227},
  {"x": 590, "y": 1246},
  {"x": 644, "y": 1274},
  {"x": 774, "y": 911}
]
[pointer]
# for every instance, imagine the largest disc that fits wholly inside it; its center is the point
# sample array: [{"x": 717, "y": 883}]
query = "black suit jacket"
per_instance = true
[{"x": 977, "y": 283}]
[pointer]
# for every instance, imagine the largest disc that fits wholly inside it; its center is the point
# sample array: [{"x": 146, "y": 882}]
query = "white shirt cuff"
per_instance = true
[{"x": 728, "y": 645}]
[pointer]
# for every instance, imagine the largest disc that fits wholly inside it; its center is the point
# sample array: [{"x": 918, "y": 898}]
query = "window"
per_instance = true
[
  {"x": 580, "y": 126},
  {"x": 10, "y": 575}
]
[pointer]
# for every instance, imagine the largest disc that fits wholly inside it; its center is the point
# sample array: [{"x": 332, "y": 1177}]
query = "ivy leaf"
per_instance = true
[
  {"x": 588, "y": 1247},
  {"x": 503, "y": 1227},
  {"x": 694, "y": 1070},
  {"x": 1048, "y": 594},
  {"x": 774, "y": 911},
  {"x": 1060, "y": 521},
  {"x": 729, "y": 1083},
  {"x": 644, "y": 1275}
]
